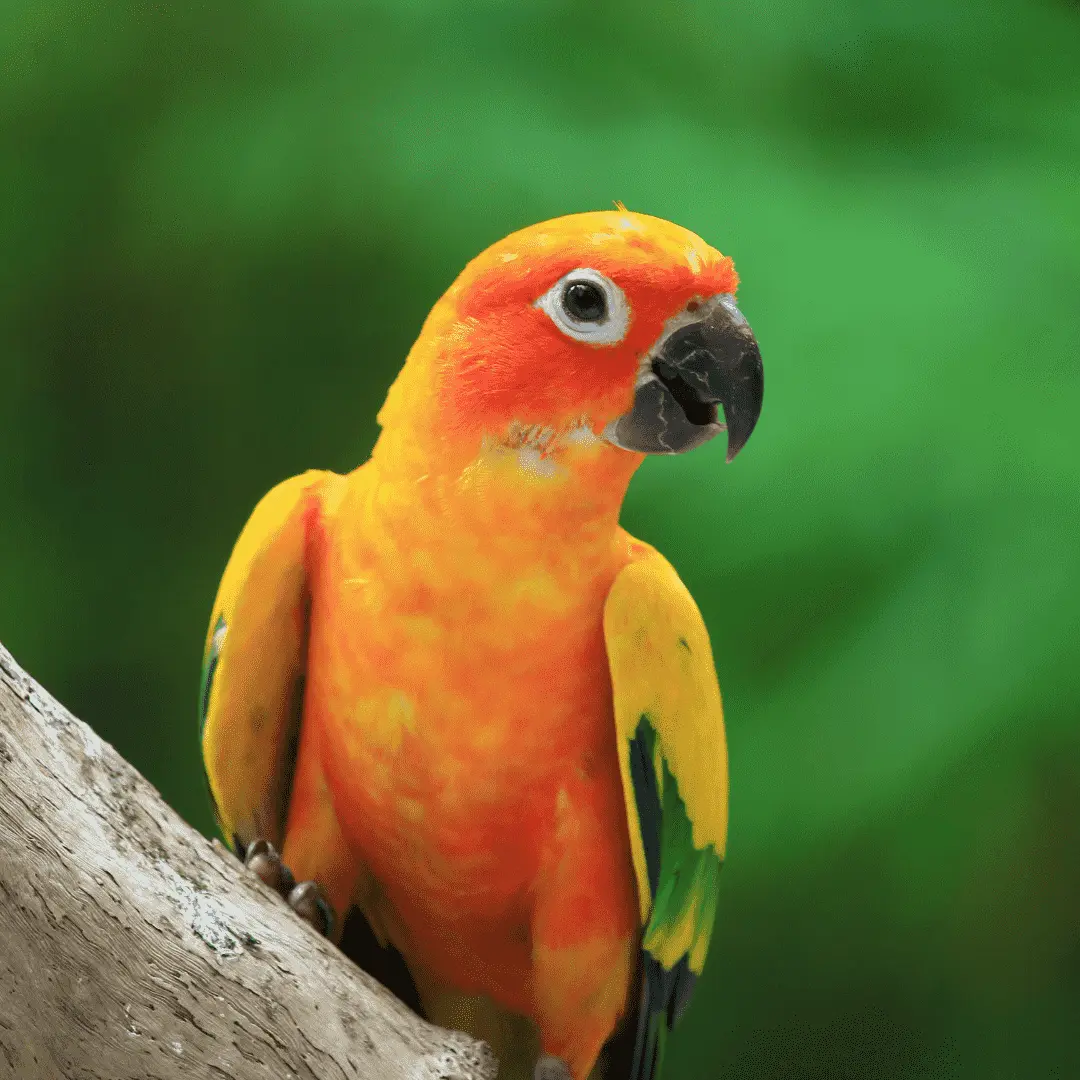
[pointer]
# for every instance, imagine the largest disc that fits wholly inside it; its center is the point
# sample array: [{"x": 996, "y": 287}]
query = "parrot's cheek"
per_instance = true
[{"x": 705, "y": 360}]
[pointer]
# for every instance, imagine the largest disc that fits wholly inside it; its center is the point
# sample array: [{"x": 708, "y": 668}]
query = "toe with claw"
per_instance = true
[
  {"x": 307, "y": 898},
  {"x": 262, "y": 858},
  {"x": 552, "y": 1068}
]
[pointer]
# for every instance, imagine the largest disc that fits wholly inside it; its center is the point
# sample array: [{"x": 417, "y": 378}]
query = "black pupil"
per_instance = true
[{"x": 584, "y": 301}]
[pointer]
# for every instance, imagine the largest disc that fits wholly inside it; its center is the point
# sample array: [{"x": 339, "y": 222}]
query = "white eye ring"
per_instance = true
[{"x": 609, "y": 329}]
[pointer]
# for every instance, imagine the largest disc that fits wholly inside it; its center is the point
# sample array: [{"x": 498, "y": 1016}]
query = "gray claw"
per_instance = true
[
  {"x": 552, "y": 1068},
  {"x": 309, "y": 901},
  {"x": 263, "y": 859}
]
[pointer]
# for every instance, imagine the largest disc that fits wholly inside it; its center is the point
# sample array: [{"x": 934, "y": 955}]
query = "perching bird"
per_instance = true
[{"x": 455, "y": 694}]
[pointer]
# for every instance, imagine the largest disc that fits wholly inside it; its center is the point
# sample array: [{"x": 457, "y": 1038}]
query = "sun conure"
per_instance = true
[{"x": 457, "y": 696}]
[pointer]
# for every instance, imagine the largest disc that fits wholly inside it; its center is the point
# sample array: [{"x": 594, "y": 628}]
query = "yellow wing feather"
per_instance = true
[
  {"x": 662, "y": 669},
  {"x": 254, "y": 663}
]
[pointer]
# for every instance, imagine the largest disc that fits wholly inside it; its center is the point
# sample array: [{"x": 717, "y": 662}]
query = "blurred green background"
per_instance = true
[{"x": 209, "y": 207}]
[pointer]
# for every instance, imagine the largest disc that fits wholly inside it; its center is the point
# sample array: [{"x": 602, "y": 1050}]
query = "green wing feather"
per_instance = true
[{"x": 674, "y": 766}]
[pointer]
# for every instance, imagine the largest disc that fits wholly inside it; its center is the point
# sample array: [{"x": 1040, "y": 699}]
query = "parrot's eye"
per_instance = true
[
  {"x": 583, "y": 301},
  {"x": 587, "y": 306}
]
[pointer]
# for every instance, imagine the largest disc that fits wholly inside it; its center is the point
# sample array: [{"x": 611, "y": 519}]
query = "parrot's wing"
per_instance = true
[
  {"x": 254, "y": 663},
  {"x": 673, "y": 760}
]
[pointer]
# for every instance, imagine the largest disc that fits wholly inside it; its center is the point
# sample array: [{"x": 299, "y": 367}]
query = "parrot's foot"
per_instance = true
[
  {"x": 551, "y": 1068},
  {"x": 307, "y": 898}
]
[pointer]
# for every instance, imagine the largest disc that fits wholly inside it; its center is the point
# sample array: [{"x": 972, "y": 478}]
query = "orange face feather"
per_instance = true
[
  {"x": 507, "y": 360},
  {"x": 489, "y": 357}
]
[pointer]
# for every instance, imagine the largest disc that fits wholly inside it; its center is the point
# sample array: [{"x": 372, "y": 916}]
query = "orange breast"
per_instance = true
[{"x": 461, "y": 686}]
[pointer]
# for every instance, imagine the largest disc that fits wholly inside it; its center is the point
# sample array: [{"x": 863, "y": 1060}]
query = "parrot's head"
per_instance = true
[{"x": 610, "y": 330}]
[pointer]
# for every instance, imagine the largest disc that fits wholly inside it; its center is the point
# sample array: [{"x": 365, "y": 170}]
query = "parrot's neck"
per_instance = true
[
  {"x": 541, "y": 486},
  {"x": 548, "y": 489}
]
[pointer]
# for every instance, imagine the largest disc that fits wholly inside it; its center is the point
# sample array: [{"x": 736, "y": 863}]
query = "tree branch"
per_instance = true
[{"x": 132, "y": 947}]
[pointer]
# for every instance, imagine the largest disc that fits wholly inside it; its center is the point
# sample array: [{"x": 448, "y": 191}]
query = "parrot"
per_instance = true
[{"x": 448, "y": 692}]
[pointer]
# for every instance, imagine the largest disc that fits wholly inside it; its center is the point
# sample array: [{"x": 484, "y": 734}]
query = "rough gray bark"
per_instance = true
[{"x": 131, "y": 947}]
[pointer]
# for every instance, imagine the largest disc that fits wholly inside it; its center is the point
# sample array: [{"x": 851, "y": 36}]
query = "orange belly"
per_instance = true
[{"x": 464, "y": 748}]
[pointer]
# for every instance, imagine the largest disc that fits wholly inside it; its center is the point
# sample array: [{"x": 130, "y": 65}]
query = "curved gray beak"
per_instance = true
[{"x": 706, "y": 359}]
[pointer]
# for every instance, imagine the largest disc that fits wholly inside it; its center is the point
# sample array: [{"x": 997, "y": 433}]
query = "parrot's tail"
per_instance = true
[
  {"x": 652, "y": 1028},
  {"x": 665, "y": 993}
]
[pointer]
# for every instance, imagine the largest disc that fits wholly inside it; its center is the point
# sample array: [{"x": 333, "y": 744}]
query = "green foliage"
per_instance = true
[{"x": 211, "y": 207}]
